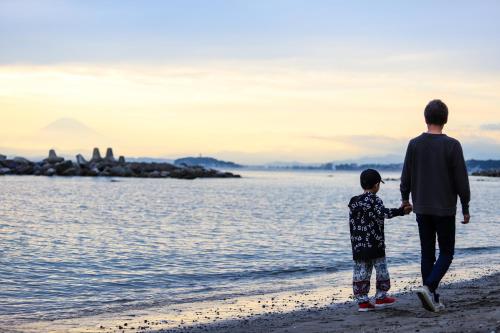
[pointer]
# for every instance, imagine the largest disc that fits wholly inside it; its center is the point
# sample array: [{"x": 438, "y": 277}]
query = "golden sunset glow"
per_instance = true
[{"x": 218, "y": 109}]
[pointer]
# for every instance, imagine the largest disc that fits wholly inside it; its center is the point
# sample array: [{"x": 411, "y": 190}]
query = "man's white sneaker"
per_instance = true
[
  {"x": 438, "y": 304},
  {"x": 440, "y": 307},
  {"x": 427, "y": 298}
]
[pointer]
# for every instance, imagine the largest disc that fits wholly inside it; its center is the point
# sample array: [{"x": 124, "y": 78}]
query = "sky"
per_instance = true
[{"x": 249, "y": 81}]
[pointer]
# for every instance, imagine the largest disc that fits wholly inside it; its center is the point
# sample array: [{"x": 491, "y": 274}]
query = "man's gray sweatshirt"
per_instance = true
[{"x": 434, "y": 172}]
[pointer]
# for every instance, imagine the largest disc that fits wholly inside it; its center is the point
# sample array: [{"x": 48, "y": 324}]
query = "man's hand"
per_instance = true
[
  {"x": 466, "y": 219},
  {"x": 407, "y": 209}
]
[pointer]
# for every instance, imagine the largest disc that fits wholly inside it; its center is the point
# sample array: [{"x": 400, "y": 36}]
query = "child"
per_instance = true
[{"x": 366, "y": 222}]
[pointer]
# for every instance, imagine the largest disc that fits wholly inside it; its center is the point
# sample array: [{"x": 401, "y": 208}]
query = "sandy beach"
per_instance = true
[{"x": 472, "y": 306}]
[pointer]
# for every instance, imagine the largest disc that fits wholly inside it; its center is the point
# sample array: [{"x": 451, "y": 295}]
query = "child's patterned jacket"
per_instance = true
[{"x": 366, "y": 223}]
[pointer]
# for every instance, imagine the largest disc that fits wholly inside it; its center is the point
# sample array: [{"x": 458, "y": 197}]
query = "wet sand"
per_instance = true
[
  {"x": 471, "y": 294},
  {"x": 472, "y": 306}
]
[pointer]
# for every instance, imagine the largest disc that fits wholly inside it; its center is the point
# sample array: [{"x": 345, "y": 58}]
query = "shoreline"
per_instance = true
[
  {"x": 323, "y": 309},
  {"x": 472, "y": 306}
]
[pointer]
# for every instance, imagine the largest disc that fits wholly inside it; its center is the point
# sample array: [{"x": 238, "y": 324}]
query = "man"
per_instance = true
[{"x": 434, "y": 172}]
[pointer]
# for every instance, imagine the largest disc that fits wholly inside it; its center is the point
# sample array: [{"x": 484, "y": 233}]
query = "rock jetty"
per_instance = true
[
  {"x": 108, "y": 166},
  {"x": 487, "y": 173}
]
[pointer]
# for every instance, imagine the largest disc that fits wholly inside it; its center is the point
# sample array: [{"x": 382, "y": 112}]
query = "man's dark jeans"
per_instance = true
[{"x": 428, "y": 227}]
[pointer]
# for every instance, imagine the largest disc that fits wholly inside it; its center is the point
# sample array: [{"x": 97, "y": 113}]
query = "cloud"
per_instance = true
[
  {"x": 162, "y": 31},
  {"x": 490, "y": 127},
  {"x": 377, "y": 147},
  {"x": 481, "y": 148},
  {"x": 367, "y": 144},
  {"x": 265, "y": 110}
]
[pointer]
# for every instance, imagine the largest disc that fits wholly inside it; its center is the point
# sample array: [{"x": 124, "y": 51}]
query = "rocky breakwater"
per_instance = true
[
  {"x": 106, "y": 166},
  {"x": 487, "y": 173}
]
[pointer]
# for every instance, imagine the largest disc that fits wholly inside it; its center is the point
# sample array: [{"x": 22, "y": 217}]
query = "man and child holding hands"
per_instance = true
[{"x": 434, "y": 173}]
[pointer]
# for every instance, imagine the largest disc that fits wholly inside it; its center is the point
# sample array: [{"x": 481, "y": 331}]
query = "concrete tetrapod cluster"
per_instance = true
[{"x": 106, "y": 166}]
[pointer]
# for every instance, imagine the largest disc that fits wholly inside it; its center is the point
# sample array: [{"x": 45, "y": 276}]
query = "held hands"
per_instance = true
[{"x": 407, "y": 207}]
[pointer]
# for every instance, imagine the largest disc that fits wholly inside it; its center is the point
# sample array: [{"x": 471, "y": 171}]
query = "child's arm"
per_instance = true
[{"x": 381, "y": 212}]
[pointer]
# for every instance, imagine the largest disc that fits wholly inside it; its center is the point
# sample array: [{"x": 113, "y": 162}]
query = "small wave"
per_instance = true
[
  {"x": 477, "y": 249},
  {"x": 118, "y": 301},
  {"x": 258, "y": 274}
]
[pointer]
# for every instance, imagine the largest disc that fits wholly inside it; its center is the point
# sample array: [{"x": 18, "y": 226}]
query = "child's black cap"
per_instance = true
[{"x": 369, "y": 178}]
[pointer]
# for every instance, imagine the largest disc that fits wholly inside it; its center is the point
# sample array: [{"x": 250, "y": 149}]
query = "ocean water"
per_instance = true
[{"x": 74, "y": 247}]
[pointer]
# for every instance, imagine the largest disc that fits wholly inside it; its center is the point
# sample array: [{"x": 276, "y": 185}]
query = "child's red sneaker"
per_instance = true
[
  {"x": 384, "y": 302},
  {"x": 366, "y": 306}
]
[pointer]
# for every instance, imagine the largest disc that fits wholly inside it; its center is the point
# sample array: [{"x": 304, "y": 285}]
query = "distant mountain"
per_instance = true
[
  {"x": 68, "y": 134},
  {"x": 208, "y": 162},
  {"x": 67, "y": 126}
]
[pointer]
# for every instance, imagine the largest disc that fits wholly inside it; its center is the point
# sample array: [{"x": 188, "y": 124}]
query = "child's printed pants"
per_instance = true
[{"x": 361, "y": 279}]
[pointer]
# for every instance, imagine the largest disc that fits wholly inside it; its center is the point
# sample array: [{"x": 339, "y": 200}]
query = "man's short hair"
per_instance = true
[{"x": 436, "y": 113}]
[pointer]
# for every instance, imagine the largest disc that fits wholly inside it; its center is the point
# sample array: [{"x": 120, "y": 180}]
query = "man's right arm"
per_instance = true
[{"x": 405, "y": 186}]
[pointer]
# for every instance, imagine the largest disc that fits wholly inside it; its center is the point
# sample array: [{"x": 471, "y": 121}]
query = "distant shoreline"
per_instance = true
[{"x": 474, "y": 166}]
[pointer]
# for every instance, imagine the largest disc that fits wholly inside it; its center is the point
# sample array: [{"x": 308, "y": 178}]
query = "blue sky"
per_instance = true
[{"x": 65, "y": 31}]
